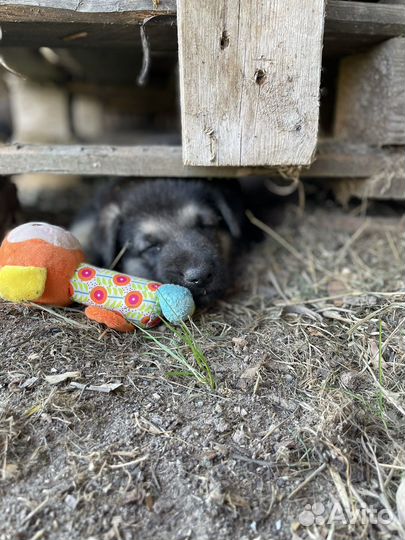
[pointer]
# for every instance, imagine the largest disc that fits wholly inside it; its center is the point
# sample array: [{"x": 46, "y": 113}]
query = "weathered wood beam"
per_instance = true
[
  {"x": 70, "y": 23},
  {"x": 379, "y": 187},
  {"x": 376, "y": 21},
  {"x": 87, "y": 10},
  {"x": 66, "y": 23},
  {"x": 352, "y": 27},
  {"x": 250, "y": 97},
  {"x": 370, "y": 104},
  {"x": 333, "y": 161}
]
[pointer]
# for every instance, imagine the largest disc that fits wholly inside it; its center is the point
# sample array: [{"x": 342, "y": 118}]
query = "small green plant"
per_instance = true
[{"x": 201, "y": 370}]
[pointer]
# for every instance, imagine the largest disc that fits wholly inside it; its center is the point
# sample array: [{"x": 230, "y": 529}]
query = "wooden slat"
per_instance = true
[
  {"x": 352, "y": 27},
  {"x": 358, "y": 18},
  {"x": 333, "y": 161},
  {"x": 371, "y": 95},
  {"x": 68, "y": 23},
  {"x": 379, "y": 187},
  {"x": 110, "y": 7},
  {"x": 349, "y": 26},
  {"x": 347, "y": 160},
  {"x": 341, "y": 16},
  {"x": 248, "y": 96}
]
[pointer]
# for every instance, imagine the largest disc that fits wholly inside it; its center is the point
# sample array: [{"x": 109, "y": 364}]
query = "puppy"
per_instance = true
[{"x": 174, "y": 231}]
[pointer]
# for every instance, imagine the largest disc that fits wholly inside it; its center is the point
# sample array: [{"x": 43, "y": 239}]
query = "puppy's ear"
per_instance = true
[
  {"x": 231, "y": 209},
  {"x": 108, "y": 227}
]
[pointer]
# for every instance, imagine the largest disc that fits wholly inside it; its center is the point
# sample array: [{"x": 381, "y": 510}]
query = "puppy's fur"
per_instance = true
[{"x": 173, "y": 231}]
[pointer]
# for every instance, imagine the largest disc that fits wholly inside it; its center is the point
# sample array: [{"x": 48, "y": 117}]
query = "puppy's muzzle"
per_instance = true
[
  {"x": 195, "y": 263},
  {"x": 197, "y": 277}
]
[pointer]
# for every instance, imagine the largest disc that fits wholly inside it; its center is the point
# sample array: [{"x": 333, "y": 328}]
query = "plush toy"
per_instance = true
[{"x": 45, "y": 264}]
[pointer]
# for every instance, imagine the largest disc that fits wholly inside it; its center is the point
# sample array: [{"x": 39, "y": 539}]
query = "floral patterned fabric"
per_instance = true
[{"x": 134, "y": 298}]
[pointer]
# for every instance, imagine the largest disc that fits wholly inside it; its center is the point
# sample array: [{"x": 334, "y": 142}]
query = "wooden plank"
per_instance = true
[
  {"x": 90, "y": 23},
  {"x": 333, "y": 161},
  {"x": 376, "y": 21},
  {"x": 377, "y": 187},
  {"x": 349, "y": 27},
  {"x": 371, "y": 95},
  {"x": 347, "y": 160},
  {"x": 352, "y": 27},
  {"x": 98, "y": 6},
  {"x": 248, "y": 96},
  {"x": 342, "y": 17}
]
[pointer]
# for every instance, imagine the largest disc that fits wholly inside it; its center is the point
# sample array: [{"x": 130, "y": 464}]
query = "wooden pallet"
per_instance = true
[{"x": 350, "y": 27}]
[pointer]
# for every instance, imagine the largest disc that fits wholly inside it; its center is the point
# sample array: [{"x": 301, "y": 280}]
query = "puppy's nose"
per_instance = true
[{"x": 197, "y": 277}]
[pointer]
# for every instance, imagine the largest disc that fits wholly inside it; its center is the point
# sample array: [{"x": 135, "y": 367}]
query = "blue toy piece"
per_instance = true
[{"x": 176, "y": 303}]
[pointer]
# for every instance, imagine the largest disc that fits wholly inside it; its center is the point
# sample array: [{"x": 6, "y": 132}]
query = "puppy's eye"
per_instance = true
[
  {"x": 206, "y": 223},
  {"x": 153, "y": 249}
]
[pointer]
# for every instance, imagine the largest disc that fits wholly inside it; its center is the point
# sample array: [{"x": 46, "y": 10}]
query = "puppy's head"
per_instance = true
[{"x": 179, "y": 232}]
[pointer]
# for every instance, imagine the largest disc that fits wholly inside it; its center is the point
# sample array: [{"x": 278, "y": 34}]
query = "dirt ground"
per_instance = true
[{"x": 303, "y": 437}]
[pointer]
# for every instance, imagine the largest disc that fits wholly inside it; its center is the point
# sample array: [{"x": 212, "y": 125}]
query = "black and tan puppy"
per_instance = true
[{"x": 173, "y": 231}]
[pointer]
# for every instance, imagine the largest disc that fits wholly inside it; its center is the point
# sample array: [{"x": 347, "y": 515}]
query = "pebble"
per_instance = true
[
  {"x": 221, "y": 426},
  {"x": 71, "y": 501}
]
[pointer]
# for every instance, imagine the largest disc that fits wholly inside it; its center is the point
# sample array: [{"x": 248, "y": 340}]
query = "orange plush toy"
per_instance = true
[
  {"x": 36, "y": 262},
  {"x": 45, "y": 264}
]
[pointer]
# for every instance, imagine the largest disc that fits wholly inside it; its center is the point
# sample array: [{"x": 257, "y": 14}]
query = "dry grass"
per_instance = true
[{"x": 308, "y": 354}]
